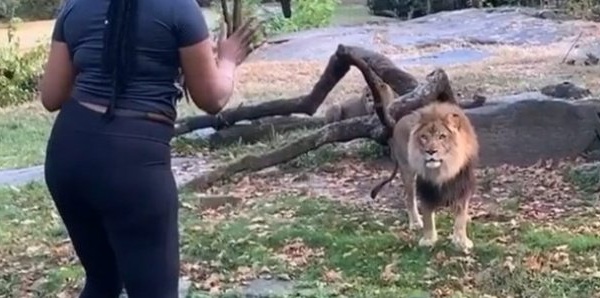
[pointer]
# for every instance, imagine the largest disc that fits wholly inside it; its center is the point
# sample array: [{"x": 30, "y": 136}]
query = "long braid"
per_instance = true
[{"x": 119, "y": 46}]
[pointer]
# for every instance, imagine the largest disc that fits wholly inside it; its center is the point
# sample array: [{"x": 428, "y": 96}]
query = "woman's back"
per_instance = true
[
  {"x": 162, "y": 27},
  {"x": 108, "y": 159}
]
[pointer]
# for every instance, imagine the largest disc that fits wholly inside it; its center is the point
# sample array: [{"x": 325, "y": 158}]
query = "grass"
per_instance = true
[
  {"x": 24, "y": 130},
  {"x": 328, "y": 248}
]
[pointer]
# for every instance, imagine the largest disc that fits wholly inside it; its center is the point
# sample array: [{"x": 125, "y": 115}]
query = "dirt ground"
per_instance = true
[{"x": 29, "y": 33}]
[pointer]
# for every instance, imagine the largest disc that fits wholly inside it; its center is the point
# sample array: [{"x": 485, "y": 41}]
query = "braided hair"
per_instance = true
[{"x": 119, "y": 46}]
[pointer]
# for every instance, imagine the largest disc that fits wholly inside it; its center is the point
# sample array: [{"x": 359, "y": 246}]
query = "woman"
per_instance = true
[{"x": 111, "y": 73}]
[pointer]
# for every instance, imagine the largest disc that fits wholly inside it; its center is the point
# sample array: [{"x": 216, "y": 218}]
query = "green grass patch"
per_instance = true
[
  {"x": 546, "y": 239},
  {"x": 586, "y": 177},
  {"x": 24, "y": 132},
  {"x": 34, "y": 255}
]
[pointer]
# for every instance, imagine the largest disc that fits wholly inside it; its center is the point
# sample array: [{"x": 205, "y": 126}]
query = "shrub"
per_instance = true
[
  {"x": 19, "y": 72},
  {"x": 306, "y": 14},
  {"x": 585, "y": 9},
  {"x": 37, "y": 9},
  {"x": 8, "y": 8}
]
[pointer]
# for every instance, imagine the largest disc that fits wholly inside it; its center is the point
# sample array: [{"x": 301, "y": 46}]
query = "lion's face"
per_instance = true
[
  {"x": 436, "y": 143},
  {"x": 441, "y": 142}
]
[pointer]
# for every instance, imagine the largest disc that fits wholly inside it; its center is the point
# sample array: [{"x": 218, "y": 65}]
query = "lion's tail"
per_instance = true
[{"x": 381, "y": 184}]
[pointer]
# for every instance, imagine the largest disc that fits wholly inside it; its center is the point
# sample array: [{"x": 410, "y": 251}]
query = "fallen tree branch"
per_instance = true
[
  {"x": 343, "y": 131},
  {"x": 265, "y": 128},
  {"x": 436, "y": 88},
  {"x": 308, "y": 104},
  {"x": 400, "y": 81}
]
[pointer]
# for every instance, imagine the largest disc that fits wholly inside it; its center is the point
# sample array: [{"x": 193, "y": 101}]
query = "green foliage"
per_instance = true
[
  {"x": 37, "y": 9},
  {"x": 19, "y": 72},
  {"x": 586, "y": 177},
  {"x": 8, "y": 8},
  {"x": 306, "y": 14},
  {"x": 585, "y": 9}
]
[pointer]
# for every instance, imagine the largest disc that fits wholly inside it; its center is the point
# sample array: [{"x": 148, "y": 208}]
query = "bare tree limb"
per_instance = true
[
  {"x": 436, "y": 87},
  {"x": 307, "y": 104},
  {"x": 237, "y": 14},
  {"x": 400, "y": 81},
  {"x": 343, "y": 131},
  {"x": 227, "y": 17},
  {"x": 264, "y": 128}
]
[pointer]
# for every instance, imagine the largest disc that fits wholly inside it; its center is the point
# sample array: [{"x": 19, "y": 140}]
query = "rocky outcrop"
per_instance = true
[{"x": 524, "y": 128}]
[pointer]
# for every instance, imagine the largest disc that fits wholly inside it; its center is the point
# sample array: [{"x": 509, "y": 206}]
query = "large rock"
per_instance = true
[
  {"x": 527, "y": 127},
  {"x": 585, "y": 53}
]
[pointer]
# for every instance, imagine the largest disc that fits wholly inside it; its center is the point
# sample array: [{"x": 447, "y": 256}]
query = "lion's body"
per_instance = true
[
  {"x": 353, "y": 107},
  {"x": 436, "y": 150}
]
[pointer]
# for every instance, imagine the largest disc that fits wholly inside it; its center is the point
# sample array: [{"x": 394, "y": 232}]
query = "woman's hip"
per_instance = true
[{"x": 80, "y": 135}]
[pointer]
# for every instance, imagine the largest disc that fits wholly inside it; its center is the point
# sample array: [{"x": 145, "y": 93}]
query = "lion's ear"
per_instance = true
[{"x": 454, "y": 120}]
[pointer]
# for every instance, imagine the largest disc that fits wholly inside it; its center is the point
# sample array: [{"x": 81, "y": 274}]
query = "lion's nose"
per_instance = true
[{"x": 431, "y": 151}]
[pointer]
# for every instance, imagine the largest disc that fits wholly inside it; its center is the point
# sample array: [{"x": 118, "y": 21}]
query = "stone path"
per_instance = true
[{"x": 17, "y": 177}]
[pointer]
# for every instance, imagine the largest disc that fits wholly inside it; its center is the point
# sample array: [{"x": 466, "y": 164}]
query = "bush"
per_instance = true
[
  {"x": 306, "y": 14},
  {"x": 38, "y": 9},
  {"x": 585, "y": 9},
  {"x": 20, "y": 72}
]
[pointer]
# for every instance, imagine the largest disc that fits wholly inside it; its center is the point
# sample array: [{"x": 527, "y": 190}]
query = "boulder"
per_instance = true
[{"x": 524, "y": 128}]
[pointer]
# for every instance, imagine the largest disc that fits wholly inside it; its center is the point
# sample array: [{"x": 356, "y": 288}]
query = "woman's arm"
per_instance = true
[
  {"x": 59, "y": 75},
  {"x": 210, "y": 83},
  {"x": 59, "y": 72}
]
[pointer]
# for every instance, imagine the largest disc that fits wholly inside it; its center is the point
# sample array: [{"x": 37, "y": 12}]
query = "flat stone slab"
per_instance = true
[
  {"x": 184, "y": 288},
  {"x": 18, "y": 177},
  {"x": 266, "y": 288},
  {"x": 513, "y": 26},
  {"x": 22, "y": 176}
]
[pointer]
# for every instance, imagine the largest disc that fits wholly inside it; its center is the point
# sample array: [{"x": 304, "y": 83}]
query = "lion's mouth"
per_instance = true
[{"x": 433, "y": 163}]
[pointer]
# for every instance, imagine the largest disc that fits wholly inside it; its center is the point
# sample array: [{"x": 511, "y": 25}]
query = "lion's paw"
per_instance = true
[
  {"x": 462, "y": 242},
  {"x": 415, "y": 224},
  {"x": 428, "y": 241}
]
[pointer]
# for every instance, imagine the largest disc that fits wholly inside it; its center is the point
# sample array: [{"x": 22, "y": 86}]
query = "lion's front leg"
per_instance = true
[
  {"x": 414, "y": 219},
  {"x": 461, "y": 219},
  {"x": 408, "y": 178},
  {"x": 430, "y": 235}
]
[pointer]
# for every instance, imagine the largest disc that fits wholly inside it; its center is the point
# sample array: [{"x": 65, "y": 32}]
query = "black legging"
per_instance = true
[{"x": 113, "y": 187}]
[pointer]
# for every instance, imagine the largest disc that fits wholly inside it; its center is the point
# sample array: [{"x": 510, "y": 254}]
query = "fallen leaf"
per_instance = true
[
  {"x": 388, "y": 274},
  {"x": 332, "y": 276}
]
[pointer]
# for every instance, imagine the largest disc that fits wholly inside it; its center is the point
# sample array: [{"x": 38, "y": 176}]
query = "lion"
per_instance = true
[
  {"x": 436, "y": 150},
  {"x": 353, "y": 107}
]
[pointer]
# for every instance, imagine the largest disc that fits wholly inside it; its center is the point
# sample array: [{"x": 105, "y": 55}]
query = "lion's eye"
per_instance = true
[{"x": 442, "y": 137}]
